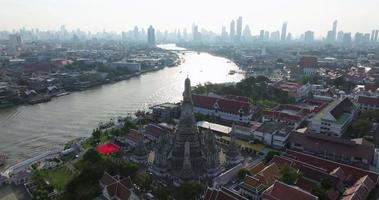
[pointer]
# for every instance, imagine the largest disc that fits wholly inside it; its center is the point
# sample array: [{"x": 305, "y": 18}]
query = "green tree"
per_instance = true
[
  {"x": 289, "y": 175},
  {"x": 270, "y": 155},
  {"x": 242, "y": 173},
  {"x": 361, "y": 127},
  {"x": 161, "y": 193},
  {"x": 92, "y": 156},
  {"x": 319, "y": 192},
  {"x": 188, "y": 191}
]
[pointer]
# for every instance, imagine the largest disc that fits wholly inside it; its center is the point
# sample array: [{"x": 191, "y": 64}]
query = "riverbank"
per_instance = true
[
  {"x": 28, "y": 130},
  {"x": 46, "y": 98}
]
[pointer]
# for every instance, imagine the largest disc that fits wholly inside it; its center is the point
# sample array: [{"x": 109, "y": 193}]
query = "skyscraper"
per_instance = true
[
  {"x": 346, "y": 38},
  {"x": 151, "y": 36},
  {"x": 239, "y": 29},
  {"x": 340, "y": 36},
  {"x": 267, "y": 36},
  {"x": 376, "y": 36},
  {"x": 372, "y": 35},
  {"x": 284, "y": 32},
  {"x": 308, "y": 36},
  {"x": 224, "y": 34},
  {"x": 334, "y": 30},
  {"x": 232, "y": 30},
  {"x": 262, "y": 35},
  {"x": 246, "y": 32}
]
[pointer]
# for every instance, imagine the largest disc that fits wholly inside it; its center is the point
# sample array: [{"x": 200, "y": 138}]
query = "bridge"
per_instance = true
[{"x": 23, "y": 165}]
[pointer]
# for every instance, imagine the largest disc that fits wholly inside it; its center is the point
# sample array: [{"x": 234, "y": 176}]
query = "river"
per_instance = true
[{"x": 31, "y": 129}]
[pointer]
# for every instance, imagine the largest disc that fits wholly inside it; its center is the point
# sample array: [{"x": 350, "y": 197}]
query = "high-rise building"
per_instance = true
[
  {"x": 330, "y": 36},
  {"x": 284, "y": 32},
  {"x": 239, "y": 29},
  {"x": 275, "y": 36},
  {"x": 372, "y": 35},
  {"x": 376, "y": 36},
  {"x": 346, "y": 40},
  {"x": 308, "y": 36},
  {"x": 136, "y": 33},
  {"x": 224, "y": 34},
  {"x": 246, "y": 32},
  {"x": 267, "y": 36},
  {"x": 262, "y": 35},
  {"x": 334, "y": 30},
  {"x": 289, "y": 37},
  {"x": 151, "y": 36},
  {"x": 232, "y": 32},
  {"x": 195, "y": 33},
  {"x": 340, "y": 36}
]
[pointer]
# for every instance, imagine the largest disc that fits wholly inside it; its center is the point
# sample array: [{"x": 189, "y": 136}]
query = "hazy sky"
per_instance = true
[{"x": 120, "y": 15}]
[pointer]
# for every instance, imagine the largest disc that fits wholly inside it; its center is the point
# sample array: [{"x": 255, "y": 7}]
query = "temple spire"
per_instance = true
[{"x": 187, "y": 97}]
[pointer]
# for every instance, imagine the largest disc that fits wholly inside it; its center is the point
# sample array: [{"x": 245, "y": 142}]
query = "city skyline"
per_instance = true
[{"x": 120, "y": 16}]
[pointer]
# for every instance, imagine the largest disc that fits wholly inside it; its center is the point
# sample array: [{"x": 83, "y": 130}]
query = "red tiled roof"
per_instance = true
[
  {"x": 225, "y": 105},
  {"x": 281, "y": 161},
  {"x": 115, "y": 187},
  {"x": 329, "y": 166},
  {"x": 154, "y": 130},
  {"x": 132, "y": 135},
  {"x": 368, "y": 100},
  {"x": 305, "y": 184},
  {"x": 107, "y": 179},
  {"x": 282, "y": 191},
  {"x": 339, "y": 146},
  {"x": 360, "y": 189},
  {"x": 308, "y": 62},
  {"x": 223, "y": 194}
]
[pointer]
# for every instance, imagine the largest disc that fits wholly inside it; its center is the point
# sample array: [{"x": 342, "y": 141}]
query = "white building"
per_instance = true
[
  {"x": 132, "y": 67},
  {"x": 335, "y": 118},
  {"x": 226, "y": 109},
  {"x": 366, "y": 103},
  {"x": 273, "y": 134}
]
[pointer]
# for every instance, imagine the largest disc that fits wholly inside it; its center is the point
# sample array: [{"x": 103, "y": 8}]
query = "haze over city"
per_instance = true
[
  {"x": 189, "y": 100},
  {"x": 118, "y": 15}
]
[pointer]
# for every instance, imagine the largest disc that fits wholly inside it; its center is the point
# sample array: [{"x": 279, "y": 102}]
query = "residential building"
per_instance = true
[
  {"x": 151, "y": 36},
  {"x": 295, "y": 90},
  {"x": 366, "y": 103},
  {"x": 166, "y": 112},
  {"x": 223, "y": 108},
  {"x": 309, "y": 65},
  {"x": 260, "y": 178},
  {"x": 221, "y": 194},
  {"x": 283, "y": 191},
  {"x": 291, "y": 115},
  {"x": 273, "y": 134},
  {"x": 335, "y": 118},
  {"x": 115, "y": 187},
  {"x": 130, "y": 66},
  {"x": 357, "y": 152}
]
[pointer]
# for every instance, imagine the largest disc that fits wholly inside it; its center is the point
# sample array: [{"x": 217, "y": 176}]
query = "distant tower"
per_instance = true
[
  {"x": 308, "y": 36},
  {"x": 233, "y": 155},
  {"x": 262, "y": 35},
  {"x": 232, "y": 32},
  {"x": 284, "y": 32},
  {"x": 246, "y": 32},
  {"x": 376, "y": 36},
  {"x": 151, "y": 36},
  {"x": 136, "y": 33},
  {"x": 140, "y": 153},
  {"x": 239, "y": 29},
  {"x": 334, "y": 30}
]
